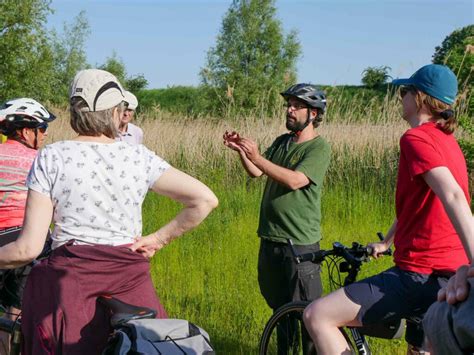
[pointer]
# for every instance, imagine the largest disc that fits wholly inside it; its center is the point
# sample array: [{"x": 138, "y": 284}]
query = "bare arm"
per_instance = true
[
  {"x": 232, "y": 140},
  {"x": 391, "y": 234},
  {"x": 251, "y": 169},
  {"x": 382, "y": 246},
  {"x": 455, "y": 203},
  {"x": 30, "y": 243},
  {"x": 198, "y": 202},
  {"x": 286, "y": 177},
  {"x": 292, "y": 179}
]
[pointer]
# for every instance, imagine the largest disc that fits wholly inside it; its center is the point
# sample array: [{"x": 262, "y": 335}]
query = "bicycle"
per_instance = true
[
  {"x": 285, "y": 333},
  {"x": 120, "y": 313}
]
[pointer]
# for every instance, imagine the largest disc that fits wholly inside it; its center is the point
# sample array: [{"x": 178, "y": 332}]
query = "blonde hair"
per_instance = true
[
  {"x": 87, "y": 123},
  {"x": 436, "y": 108}
]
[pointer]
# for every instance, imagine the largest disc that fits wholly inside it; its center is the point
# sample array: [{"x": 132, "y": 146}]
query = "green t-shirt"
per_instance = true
[{"x": 285, "y": 213}]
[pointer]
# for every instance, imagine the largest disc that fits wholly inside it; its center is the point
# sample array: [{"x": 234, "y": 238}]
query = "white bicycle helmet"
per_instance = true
[
  {"x": 26, "y": 107},
  {"x": 23, "y": 113}
]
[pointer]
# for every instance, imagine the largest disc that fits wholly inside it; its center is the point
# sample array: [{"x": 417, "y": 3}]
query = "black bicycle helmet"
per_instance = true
[{"x": 308, "y": 93}]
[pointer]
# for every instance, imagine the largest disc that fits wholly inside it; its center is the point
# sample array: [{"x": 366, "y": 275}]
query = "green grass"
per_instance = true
[{"x": 209, "y": 276}]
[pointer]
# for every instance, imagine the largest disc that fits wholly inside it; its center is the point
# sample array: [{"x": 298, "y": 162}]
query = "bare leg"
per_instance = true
[{"x": 325, "y": 316}]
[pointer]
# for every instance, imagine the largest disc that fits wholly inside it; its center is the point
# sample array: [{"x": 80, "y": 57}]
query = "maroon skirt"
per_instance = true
[{"x": 60, "y": 313}]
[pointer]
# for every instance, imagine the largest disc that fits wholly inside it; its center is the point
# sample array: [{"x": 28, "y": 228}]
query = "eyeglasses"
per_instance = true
[
  {"x": 296, "y": 105},
  {"x": 406, "y": 89}
]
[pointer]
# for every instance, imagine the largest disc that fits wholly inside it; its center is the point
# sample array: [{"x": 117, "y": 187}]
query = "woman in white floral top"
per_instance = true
[{"x": 92, "y": 188}]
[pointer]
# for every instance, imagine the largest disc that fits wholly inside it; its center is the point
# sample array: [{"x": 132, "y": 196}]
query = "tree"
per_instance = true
[
  {"x": 69, "y": 53},
  {"x": 35, "y": 62},
  {"x": 116, "y": 66},
  {"x": 136, "y": 83},
  {"x": 252, "y": 60},
  {"x": 26, "y": 59},
  {"x": 373, "y": 77},
  {"x": 457, "y": 52}
]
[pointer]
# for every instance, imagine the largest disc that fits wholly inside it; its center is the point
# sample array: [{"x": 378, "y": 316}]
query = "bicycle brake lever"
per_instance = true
[{"x": 293, "y": 251}]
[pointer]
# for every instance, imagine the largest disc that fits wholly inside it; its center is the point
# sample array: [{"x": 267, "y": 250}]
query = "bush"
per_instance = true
[
  {"x": 373, "y": 77},
  {"x": 457, "y": 52},
  {"x": 467, "y": 143},
  {"x": 186, "y": 100}
]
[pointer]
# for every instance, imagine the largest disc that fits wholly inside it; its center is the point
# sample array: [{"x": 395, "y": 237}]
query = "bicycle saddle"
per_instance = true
[{"x": 122, "y": 312}]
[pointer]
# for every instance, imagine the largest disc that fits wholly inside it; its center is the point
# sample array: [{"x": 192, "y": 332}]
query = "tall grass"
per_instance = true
[{"x": 209, "y": 276}]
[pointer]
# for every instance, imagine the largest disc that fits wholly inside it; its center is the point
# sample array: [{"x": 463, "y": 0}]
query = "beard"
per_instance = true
[{"x": 293, "y": 125}]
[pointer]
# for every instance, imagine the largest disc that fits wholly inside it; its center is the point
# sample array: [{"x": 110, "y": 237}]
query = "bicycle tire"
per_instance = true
[{"x": 293, "y": 310}]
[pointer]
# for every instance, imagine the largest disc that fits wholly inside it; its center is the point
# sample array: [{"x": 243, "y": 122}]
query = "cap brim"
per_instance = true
[{"x": 408, "y": 81}]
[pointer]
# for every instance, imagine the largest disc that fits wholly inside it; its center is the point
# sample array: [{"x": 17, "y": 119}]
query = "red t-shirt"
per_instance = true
[{"x": 425, "y": 239}]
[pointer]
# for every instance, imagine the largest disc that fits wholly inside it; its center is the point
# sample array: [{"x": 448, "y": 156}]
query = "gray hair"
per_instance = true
[{"x": 87, "y": 123}]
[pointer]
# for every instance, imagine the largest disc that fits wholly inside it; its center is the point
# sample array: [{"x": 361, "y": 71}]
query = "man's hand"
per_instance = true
[
  {"x": 457, "y": 289},
  {"x": 250, "y": 149},
  {"x": 232, "y": 141}
]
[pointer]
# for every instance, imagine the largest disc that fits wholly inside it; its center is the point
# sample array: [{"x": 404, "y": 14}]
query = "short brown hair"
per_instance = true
[
  {"x": 87, "y": 123},
  {"x": 436, "y": 107}
]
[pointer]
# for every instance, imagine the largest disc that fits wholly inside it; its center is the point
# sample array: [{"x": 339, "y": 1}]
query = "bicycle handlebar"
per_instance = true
[{"x": 354, "y": 255}]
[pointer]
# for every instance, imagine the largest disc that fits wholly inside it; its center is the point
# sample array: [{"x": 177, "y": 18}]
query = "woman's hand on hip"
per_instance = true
[{"x": 149, "y": 245}]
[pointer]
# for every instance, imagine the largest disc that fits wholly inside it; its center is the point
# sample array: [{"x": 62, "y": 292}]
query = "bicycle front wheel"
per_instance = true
[{"x": 285, "y": 332}]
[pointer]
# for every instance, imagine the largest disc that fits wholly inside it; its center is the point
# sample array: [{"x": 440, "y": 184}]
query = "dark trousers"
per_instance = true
[
  {"x": 13, "y": 281},
  {"x": 60, "y": 313},
  {"x": 281, "y": 280}
]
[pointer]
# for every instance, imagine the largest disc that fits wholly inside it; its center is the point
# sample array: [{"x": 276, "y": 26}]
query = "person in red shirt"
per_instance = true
[
  {"x": 433, "y": 232},
  {"x": 24, "y": 122}
]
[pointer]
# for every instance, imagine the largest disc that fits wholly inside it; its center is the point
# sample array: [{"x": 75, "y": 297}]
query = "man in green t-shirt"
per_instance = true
[{"x": 295, "y": 165}]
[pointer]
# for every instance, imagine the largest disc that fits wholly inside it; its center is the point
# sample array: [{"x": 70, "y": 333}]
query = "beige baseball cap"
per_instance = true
[
  {"x": 98, "y": 88},
  {"x": 131, "y": 100}
]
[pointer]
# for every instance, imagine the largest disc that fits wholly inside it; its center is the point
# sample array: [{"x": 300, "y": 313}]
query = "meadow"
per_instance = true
[{"x": 209, "y": 276}]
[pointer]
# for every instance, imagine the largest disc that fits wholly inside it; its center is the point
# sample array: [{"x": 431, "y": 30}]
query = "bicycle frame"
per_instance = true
[
  {"x": 360, "y": 342},
  {"x": 353, "y": 259},
  {"x": 359, "y": 339}
]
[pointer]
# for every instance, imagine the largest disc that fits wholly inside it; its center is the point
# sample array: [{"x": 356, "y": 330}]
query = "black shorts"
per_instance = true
[
  {"x": 281, "y": 280},
  {"x": 13, "y": 281},
  {"x": 396, "y": 294}
]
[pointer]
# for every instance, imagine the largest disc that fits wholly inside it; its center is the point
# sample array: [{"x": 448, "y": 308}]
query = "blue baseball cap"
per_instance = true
[{"x": 435, "y": 80}]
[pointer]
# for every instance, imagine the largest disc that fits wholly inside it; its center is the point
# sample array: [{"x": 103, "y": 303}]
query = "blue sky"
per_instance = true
[{"x": 167, "y": 40}]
